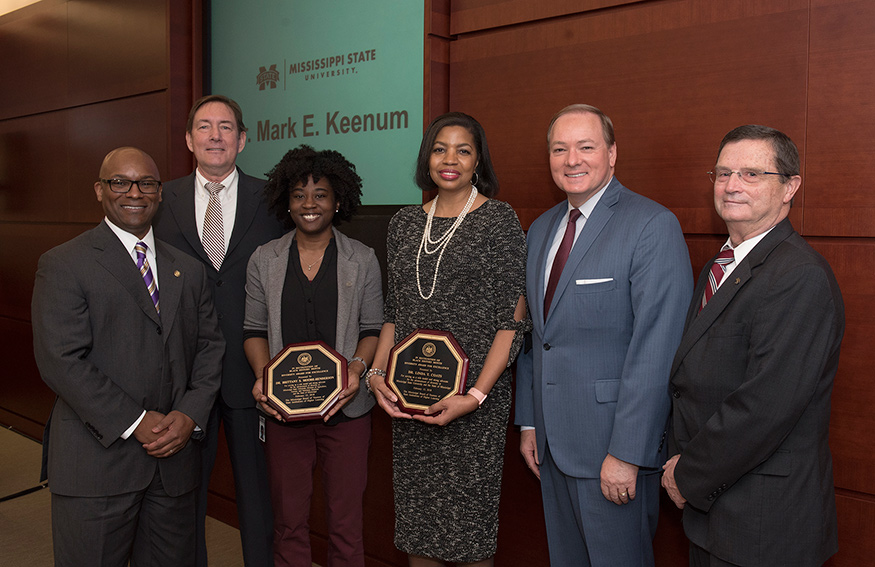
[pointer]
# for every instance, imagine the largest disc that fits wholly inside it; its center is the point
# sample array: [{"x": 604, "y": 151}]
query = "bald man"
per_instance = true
[{"x": 126, "y": 335}]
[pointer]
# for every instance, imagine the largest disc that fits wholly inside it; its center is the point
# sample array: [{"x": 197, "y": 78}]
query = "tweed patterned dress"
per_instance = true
[{"x": 447, "y": 480}]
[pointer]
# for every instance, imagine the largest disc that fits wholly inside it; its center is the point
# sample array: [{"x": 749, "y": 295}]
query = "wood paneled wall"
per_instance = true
[
  {"x": 82, "y": 77},
  {"x": 675, "y": 76}
]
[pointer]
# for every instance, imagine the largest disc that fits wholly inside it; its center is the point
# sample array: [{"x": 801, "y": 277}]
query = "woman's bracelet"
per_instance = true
[
  {"x": 370, "y": 373},
  {"x": 362, "y": 360}
]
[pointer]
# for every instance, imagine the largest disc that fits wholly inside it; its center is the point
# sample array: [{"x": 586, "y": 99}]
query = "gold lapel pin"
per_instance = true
[
  {"x": 177, "y": 274},
  {"x": 737, "y": 280}
]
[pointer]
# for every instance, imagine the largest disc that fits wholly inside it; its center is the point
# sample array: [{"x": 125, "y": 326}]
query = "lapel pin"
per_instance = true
[
  {"x": 737, "y": 280},
  {"x": 177, "y": 274}
]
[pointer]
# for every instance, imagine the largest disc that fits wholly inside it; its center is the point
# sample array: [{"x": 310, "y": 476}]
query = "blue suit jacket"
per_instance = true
[{"x": 596, "y": 379}]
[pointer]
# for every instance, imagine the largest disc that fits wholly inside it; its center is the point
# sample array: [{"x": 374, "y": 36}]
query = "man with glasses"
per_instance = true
[
  {"x": 752, "y": 378},
  {"x": 218, "y": 215},
  {"x": 126, "y": 335}
]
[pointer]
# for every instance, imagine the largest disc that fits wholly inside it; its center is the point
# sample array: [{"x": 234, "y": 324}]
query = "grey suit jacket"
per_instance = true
[
  {"x": 103, "y": 349},
  {"x": 359, "y": 299},
  {"x": 752, "y": 381},
  {"x": 596, "y": 380},
  {"x": 253, "y": 226}
]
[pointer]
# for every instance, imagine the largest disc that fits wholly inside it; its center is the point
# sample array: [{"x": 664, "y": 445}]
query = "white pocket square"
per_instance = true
[{"x": 595, "y": 281}]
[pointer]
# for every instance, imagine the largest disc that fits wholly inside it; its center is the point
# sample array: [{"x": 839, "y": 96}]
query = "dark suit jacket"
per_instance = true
[
  {"x": 102, "y": 347},
  {"x": 253, "y": 226},
  {"x": 596, "y": 380},
  {"x": 751, "y": 382}
]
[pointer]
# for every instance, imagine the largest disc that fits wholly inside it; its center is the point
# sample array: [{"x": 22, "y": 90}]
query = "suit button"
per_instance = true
[
  {"x": 219, "y": 283},
  {"x": 547, "y": 346},
  {"x": 676, "y": 393},
  {"x": 158, "y": 329}
]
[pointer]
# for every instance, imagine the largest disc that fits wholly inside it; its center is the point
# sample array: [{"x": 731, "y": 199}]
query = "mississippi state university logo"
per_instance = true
[
  {"x": 267, "y": 77},
  {"x": 428, "y": 349},
  {"x": 304, "y": 358}
]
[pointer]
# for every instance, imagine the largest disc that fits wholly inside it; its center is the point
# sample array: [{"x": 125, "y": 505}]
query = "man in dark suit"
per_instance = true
[
  {"x": 218, "y": 216},
  {"x": 606, "y": 323},
  {"x": 753, "y": 375},
  {"x": 134, "y": 376}
]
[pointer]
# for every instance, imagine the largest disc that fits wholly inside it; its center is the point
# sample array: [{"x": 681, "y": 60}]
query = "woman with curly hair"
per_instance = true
[
  {"x": 457, "y": 264},
  {"x": 312, "y": 284}
]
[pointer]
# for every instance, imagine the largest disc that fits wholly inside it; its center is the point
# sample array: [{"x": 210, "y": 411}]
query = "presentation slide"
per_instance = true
[{"x": 345, "y": 75}]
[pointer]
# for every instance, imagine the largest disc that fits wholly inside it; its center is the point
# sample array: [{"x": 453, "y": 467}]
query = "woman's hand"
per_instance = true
[
  {"x": 446, "y": 410},
  {"x": 353, "y": 371},
  {"x": 386, "y": 398},
  {"x": 259, "y": 396}
]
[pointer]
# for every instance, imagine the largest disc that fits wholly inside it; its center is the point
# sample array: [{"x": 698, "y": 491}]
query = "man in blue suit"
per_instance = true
[{"x": 608, "y": 280}]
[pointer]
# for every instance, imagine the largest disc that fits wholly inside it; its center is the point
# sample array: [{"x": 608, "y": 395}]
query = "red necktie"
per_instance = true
[
  {"x": 560, "y": 259},
  {"x": 718, "y": 268}
]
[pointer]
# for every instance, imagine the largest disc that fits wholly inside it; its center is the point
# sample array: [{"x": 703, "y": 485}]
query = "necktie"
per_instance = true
[
  {"x": 718, "y": 268},
  {"x": 560, "y": 259},
  {"x": 146, "y": 272},
  {"x": 213, "y": 237}
]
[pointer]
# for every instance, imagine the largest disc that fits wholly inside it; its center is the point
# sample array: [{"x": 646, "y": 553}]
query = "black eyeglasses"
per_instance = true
[{"x": 146, "y": 186}]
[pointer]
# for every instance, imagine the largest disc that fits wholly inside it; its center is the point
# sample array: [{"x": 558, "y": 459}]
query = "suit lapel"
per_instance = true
[
  {"x": 248, "y": 198},
  {"x": 536, "y": 304},
  {"x": 183, "y": 212},
  {"x": 347, "y": 274},
  {"x": 111, "y": 254},
  {"x": 170, "y": 285},
  {"x": 698, "y": 322},
  {"x": 594, "y": 224}
]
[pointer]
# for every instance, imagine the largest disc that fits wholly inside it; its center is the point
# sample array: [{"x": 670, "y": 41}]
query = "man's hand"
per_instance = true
[
  {"x": 529, "y": 449},
  {"x": 618, "y": 479},
  {"x": 174, "y": 431},
  {"x": 669, "y": 484},
  {"x": 143, "y": 433}
]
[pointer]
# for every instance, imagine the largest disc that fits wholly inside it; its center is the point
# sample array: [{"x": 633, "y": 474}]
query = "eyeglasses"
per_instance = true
[
  {"x": 749, "y": 176},
  {"x": 146, "y": 186}
]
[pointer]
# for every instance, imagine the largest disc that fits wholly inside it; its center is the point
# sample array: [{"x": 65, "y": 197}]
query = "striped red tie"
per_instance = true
[{"x": 718, "y": 268}]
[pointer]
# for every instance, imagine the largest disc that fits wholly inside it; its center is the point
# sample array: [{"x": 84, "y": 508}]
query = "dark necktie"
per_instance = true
[
  {"x": 560, "y": 259},
  {"x": 718, "y": 269}
]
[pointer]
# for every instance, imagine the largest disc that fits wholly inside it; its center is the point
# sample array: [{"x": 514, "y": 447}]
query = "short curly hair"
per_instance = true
[{"x": 302, "y": 163}]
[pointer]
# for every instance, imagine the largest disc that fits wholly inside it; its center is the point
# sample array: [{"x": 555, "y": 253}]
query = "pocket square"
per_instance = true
[{"x": 594, "y": 281}]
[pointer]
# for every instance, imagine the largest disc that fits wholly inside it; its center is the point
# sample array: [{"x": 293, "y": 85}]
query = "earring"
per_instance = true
[{"x": 474, "y": 183}]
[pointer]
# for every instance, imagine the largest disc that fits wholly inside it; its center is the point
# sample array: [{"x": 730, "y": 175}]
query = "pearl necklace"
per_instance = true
[{"x": 441, "y": 243}]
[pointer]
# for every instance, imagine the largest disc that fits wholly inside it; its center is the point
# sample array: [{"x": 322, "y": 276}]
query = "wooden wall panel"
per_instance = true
[
  {"x": 116, "y": 49},
  {"x": 853, "y": 446},
  {"x": 838, "y": 196},
  {"x": 33, "y": 73},
  {"x": 673, "y": 90},
  {"x": 474, "y": 15}
]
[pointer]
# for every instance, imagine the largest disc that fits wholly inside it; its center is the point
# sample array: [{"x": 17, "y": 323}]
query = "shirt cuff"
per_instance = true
[{"x": 131, "y": 429}]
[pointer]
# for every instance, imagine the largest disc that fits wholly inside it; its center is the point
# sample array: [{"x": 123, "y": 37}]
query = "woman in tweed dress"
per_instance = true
[{"x": 456, "y": 264}]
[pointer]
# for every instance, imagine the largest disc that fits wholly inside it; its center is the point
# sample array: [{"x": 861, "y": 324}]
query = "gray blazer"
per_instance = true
[{"x": 359, "y": 299}]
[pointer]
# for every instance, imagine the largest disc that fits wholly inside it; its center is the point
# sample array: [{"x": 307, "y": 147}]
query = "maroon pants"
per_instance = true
[{"x": 342, "y": 453}]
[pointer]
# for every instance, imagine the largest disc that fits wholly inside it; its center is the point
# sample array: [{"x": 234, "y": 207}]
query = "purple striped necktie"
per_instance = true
[
  {"x": 718, "y": 269},
  {"x": 146, "y": 272}
]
